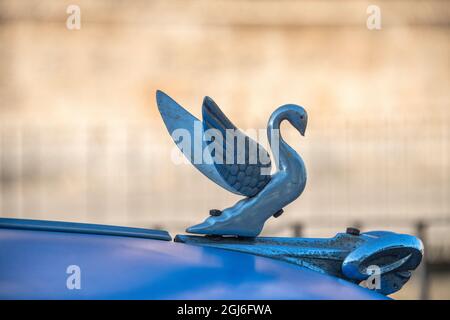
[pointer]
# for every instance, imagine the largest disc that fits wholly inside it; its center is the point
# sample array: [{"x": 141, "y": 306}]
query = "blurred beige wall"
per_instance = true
[{"x": 81, "y": 138}]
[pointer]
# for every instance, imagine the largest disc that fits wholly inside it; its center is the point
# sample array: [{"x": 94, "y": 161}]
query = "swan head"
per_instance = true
[{"x": 296, "y": 115}]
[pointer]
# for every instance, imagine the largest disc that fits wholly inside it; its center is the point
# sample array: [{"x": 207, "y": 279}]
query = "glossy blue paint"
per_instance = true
[
  {"x": 347, "y": 256},
  {"x": 266, "y": 196},
  {"x": 33, "y": 266}
]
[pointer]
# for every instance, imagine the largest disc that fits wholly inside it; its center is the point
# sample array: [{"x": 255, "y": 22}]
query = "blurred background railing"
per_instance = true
[{"x": 81, "y": 138}]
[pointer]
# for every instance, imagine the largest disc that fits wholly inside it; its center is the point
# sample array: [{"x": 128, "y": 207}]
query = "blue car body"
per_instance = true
[{"x": 132, "y": 263}]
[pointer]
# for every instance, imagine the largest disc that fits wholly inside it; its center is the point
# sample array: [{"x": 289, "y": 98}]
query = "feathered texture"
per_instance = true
[{"x": 243, "y": 173}]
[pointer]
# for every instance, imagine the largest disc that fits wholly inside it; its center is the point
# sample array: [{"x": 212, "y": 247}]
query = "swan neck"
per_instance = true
[
  {"x": 274, "y": 125},
  {"x": 277, "y": 144}
]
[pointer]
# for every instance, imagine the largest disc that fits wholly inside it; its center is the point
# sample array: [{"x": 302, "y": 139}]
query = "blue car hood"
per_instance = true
[{"x": 33, "y": 265}]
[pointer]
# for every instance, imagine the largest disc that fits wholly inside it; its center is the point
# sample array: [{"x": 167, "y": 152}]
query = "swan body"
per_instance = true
[{"x": 266, "y": 195}]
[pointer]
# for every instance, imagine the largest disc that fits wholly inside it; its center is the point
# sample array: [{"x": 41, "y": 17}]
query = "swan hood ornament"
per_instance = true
[{"x": 239, "y": 164}]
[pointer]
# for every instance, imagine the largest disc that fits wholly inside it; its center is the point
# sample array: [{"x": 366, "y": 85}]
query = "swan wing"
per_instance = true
[
  {"x": 181, "y": 125},
  {"x": 242, "y": 162}
]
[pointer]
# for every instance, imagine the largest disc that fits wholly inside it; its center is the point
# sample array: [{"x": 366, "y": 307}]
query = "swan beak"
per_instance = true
[{"x": 302, "y": 131}]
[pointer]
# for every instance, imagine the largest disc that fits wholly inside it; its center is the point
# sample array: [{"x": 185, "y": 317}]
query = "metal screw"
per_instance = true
[
  {"x": 278, "y": 213},
  {"x": 353, "y": 231},
  {"x": 215, "y": 212}
]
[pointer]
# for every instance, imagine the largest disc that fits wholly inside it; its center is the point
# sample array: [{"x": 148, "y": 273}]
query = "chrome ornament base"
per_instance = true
[{"x": 348, "y": 256}]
